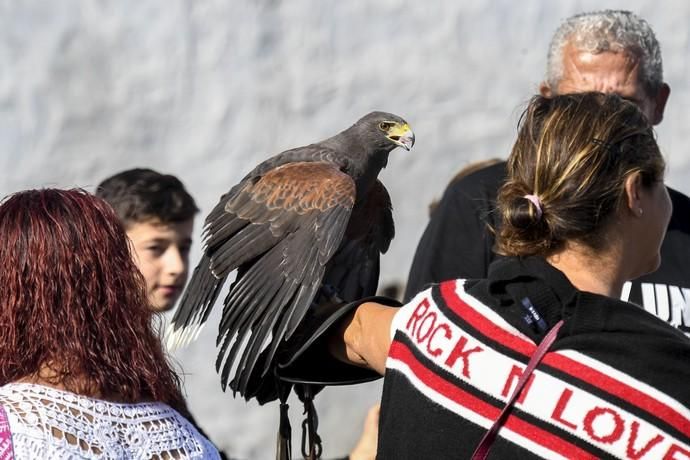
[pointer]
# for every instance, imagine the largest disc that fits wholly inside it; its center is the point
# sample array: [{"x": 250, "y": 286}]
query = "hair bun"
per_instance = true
[{"x": 524, "y": 212}]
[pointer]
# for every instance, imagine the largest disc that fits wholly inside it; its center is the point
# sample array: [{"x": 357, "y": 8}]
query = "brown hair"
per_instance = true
[
  {"x": 74, "y": 302},
  {"x": 142, "y": 195},
  {"x": 574, "y": 152}
]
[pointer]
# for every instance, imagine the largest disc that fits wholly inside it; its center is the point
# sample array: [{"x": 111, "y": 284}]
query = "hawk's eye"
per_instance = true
[{"x": 385, "y": 125}]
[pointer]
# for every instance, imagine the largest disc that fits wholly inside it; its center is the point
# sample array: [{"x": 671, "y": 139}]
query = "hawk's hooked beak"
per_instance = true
[{"x": 402, "y": 136}]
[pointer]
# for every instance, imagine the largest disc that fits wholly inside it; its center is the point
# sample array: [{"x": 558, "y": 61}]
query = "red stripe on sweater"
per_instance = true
[
  {"x": 579, "y": 371},
  {"x": 399, "y": 351}
]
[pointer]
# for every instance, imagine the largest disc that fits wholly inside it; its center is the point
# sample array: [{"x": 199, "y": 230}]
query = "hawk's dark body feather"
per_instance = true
[{"x": 310, "y": 215}]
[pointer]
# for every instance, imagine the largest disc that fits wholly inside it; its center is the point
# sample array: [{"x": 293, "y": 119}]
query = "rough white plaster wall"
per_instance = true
[{"x": 206, "y": 89}]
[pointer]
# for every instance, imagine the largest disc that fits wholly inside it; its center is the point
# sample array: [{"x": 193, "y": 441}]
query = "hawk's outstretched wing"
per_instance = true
[
  {"x": 309, "y": 215},
  {"x": 280, "y": 230}
]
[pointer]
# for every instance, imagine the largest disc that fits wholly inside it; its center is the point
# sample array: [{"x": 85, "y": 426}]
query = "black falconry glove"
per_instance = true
[
  {"x": 305, "y": 362},
  {"x": 305, "y": 357}
]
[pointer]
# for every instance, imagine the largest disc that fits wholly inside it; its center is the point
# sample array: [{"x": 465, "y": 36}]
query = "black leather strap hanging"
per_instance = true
[
  {"x": 311, "y": 441},
  {"x": 284, "y": 441}
]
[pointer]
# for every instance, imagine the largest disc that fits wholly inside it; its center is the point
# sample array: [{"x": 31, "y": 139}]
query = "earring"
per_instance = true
[{"x": 640, "y": 211}]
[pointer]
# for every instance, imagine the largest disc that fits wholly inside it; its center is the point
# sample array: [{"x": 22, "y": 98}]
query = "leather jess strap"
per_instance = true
[
  {"x": 6, "y": 448},
  {"x": 482, "y": 450}
]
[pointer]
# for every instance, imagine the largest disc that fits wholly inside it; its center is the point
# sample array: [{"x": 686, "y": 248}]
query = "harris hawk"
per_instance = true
[{"x": 308, "y": 216}]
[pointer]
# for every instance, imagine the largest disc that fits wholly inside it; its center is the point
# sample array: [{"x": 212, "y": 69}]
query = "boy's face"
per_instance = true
[{"x": 162, "y": 254}]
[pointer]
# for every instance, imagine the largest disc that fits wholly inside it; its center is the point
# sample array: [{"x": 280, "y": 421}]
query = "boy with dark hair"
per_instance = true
[{"x": 158, "y": 215}]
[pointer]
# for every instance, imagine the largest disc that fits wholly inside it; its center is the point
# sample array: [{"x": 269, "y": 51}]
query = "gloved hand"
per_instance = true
[{"x": 305, "y": 357}]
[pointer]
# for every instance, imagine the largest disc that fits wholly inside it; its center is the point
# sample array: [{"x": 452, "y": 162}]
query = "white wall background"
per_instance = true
[{"x": 206, "y": 89}]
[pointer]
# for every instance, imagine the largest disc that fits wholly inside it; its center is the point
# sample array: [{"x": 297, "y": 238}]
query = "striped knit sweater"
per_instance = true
[{"x": 616, "y": 383}]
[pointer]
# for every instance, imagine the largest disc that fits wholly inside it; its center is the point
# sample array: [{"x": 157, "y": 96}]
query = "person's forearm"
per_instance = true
[{"x": 364, "y": 336}]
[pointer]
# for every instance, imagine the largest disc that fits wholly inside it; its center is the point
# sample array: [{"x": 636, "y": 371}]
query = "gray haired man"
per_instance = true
[{"x": 608, "y": 51}]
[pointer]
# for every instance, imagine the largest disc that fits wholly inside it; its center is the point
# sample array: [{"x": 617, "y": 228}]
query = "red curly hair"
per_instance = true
[{"x": 73, "y": 301}]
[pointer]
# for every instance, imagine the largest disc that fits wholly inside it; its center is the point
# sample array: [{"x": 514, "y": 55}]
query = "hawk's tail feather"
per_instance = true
[
  {"x": 253, "y": 349},
  {"x": 261, "y": 306},
  {"x": 238, "y": 330},
  {"x": 281, "y": 297},
  {"x": 234, "y": 305},
  {"x": 195, "y": 306},
  {"x": 307, "y": 293},
  {"x": 248, "y": 301},
  {"x": 303, "y": 295}
]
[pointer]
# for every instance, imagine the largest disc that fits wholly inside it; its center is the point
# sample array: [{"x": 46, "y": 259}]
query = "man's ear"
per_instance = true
[
  {"x": 660, "y": 103},
  {"x": 633, "y": 188},
  {"x": 545, "y": 89}
]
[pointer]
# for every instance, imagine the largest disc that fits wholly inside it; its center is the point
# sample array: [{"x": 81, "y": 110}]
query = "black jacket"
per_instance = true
[{"x": 457, "y": 243}]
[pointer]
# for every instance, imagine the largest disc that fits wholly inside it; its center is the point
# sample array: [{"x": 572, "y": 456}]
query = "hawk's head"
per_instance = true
[{"x": 386, "y": 130}]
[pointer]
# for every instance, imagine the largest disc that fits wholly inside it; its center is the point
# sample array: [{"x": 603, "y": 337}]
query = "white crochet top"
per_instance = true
[{"x": 53, "y": 424}]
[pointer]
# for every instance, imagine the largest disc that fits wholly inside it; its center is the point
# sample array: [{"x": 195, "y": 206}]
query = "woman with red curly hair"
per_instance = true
[{"x": 82, "y": 372}]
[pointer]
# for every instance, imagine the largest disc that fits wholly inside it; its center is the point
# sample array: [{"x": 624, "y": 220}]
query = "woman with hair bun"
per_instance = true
[
  {"x": 82, "y": 373},
  {"x": 541, "y": 359}
]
